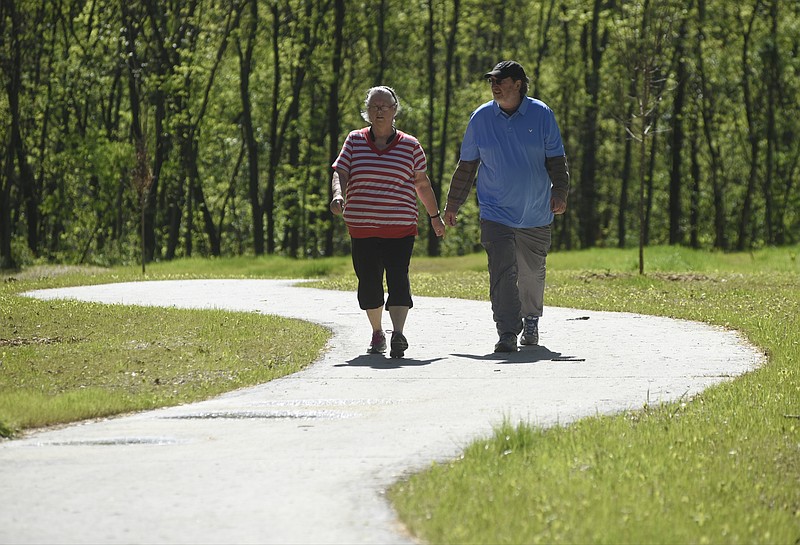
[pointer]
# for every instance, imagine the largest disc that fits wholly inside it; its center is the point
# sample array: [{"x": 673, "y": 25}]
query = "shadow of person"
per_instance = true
[
  {"x": 526, "y": 354},
  {"x": 379, "y": 361}
]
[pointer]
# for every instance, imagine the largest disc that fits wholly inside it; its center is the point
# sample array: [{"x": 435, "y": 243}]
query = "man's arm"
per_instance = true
[
  {"x": 558, "y": 170},
  {"x": 460, "y": 186}
]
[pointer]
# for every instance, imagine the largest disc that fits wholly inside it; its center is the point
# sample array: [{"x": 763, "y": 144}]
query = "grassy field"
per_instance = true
[
  {"x": 64, "y": 361},
  {"x": 723, "y": 467}
]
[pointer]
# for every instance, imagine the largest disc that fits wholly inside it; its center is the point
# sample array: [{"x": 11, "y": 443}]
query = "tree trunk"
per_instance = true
[
  {"x": 564, "y": 224},
  {"x": 430, "y": 55},
  {"x": 274, "y": 153},
  {"x": 542, "y": 43},
  {"x": 694, "y": 207},
  {"x": 333, "y": 103},
  {"x": 677, "y": 137},
  {"x": 708, "y": 112},
  {"x": 131, "y": 31},
  {"x": 163, "y": 145},
  {"x": 745, "y": 219},
  {"x": 593, "y": 46},
  {"x": 651, "y": 168},
  {"x": 435, "y": 162},
  {"x": 176, "y": 200},
  {"x": 627, "y": 169},
  {"x": 382, "y": 41},
  {"x": 198, "y": 200},
  {"x": 644, "y": 101},
  {"x": 772, "y": 78},
  {"x": 248, "y": 131},
  {"x": 281, "y": 133},
  {"x": 7, "y": 180},
  {"x": 26, "y": 180},
  {"x": 434, "y": 244}
]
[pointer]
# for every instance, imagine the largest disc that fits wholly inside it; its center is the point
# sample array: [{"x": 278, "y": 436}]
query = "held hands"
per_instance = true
[
  {"x": 450, "y": 218},
  {"x": 337, "y": 206}
]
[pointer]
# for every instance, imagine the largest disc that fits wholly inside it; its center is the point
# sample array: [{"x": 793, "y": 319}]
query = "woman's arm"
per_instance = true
[
  {"x": 426, "y": 195},
  {"x": 340, "y": 178}
]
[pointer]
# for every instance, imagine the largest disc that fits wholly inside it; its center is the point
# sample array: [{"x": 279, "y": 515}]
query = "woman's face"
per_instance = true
[{"x": 381, "y": 108}]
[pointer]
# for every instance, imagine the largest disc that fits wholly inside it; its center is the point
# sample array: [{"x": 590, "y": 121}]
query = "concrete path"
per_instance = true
[{"x": 306, "y": 459}]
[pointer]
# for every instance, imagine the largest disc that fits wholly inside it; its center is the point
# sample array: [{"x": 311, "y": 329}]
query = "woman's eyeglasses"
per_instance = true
[{"x": 381, "y": 109}]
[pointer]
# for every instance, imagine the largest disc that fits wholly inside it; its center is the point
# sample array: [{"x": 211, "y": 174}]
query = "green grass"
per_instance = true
[
  {"x": 65, "y": 361},
  {"x": 723, "y": 467},
  {"x": 251, "y": 267}
]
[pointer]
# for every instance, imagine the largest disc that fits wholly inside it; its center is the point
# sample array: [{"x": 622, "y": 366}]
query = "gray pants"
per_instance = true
[{"x": 516, "y": 272}]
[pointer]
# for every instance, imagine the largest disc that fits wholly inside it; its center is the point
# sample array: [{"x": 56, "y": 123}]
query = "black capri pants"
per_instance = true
[{"x": 374, "y": 256}]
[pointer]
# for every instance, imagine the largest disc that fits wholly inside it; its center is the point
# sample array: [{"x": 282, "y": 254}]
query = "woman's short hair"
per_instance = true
[{"x": 379, "y": 89}]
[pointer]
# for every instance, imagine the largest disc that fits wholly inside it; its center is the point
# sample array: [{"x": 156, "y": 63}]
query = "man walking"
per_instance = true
[{"x": 514, "y": 144}]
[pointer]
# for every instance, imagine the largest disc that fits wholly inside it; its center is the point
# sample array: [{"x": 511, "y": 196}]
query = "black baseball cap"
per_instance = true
[{"x": 505, "y": 69}]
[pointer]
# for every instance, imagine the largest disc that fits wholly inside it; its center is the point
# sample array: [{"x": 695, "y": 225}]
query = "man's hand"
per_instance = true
[
  {"x": 450, "y": 218},
  {"x": 558, "y": 205},
  {"x": 337, "y": 206}
]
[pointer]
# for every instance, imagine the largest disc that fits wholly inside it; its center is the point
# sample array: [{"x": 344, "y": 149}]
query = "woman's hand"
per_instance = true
[
  {"x": 438, "y": 226},
  {"x": 337, "y": 206}
]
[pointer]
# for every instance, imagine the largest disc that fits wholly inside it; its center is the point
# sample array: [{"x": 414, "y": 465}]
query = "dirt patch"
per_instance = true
[
  {"x": 19, "y": 341},
  {"x": 607, "y": 275},
  {"x": 687, "y": 277},
  {"x": 43, "y": 272},
  {"x": 671, "y": 277}
]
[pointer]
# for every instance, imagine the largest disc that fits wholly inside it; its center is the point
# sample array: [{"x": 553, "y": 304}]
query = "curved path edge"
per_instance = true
[{"x": 306, "y": 458}]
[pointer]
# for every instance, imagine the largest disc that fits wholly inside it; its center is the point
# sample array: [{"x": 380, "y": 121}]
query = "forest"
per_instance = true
[{"x": 156, "y": 129}]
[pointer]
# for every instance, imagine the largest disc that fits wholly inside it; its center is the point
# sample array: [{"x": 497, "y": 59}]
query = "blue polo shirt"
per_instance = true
[{"x": 513, "y": 185}]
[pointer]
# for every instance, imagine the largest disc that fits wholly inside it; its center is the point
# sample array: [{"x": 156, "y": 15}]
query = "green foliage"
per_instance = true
[{"x": 94, "y": 75}]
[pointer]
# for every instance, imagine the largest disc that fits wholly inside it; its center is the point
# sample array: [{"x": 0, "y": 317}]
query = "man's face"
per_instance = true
[{"x": 505, "y": 90}]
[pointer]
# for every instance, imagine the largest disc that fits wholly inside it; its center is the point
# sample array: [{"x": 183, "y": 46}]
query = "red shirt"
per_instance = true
[{"x": 380, "y": 199}]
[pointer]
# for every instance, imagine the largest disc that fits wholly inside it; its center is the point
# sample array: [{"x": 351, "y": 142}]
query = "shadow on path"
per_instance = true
[
  {"x": 526, "y": 354},
  {"x": 378, "y": 361}
]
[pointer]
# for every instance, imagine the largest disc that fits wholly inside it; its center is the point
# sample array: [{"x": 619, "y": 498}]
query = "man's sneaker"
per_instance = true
[
  {"x": 530, "y": 331},
  {"x": 399, "y": 345},
  {"x": 378, "y": 344},
  {"x": 507, "y": 343}
]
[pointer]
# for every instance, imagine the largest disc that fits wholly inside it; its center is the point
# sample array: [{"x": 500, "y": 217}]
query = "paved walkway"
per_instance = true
[{"x": 305, "y": 459}]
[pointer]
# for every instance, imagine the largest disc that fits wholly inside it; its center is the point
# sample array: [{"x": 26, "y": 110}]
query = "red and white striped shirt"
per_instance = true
[{"x": 380, "y": 199}]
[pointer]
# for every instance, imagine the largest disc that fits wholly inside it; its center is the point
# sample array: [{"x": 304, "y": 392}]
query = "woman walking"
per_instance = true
[{"x": 377, "y": 178}]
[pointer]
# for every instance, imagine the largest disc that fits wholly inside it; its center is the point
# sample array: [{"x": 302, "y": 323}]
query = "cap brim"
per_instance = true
[{"x": 492, "y": 74}]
